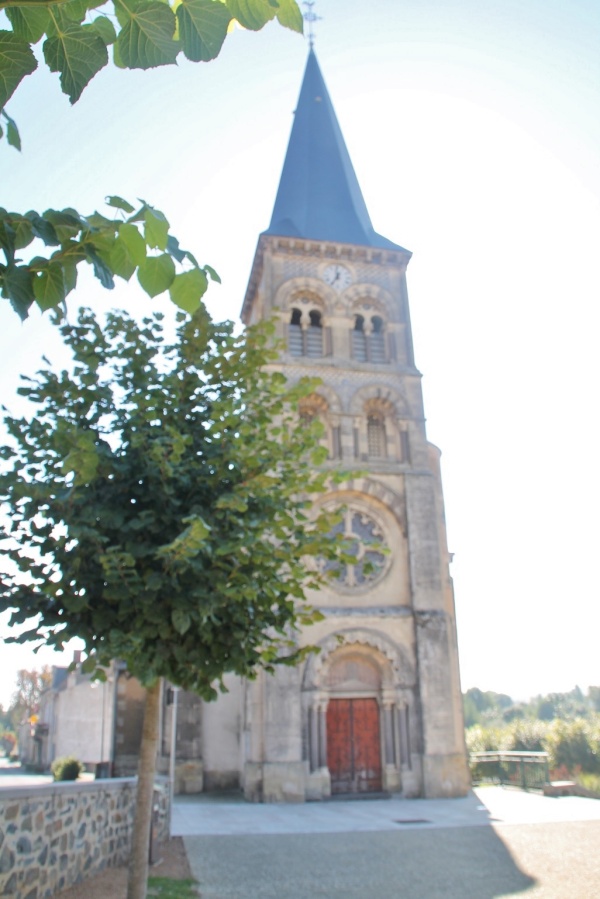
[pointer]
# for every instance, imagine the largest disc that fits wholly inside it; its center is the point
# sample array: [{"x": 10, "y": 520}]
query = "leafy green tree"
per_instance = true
[
  {"x": 594, "y": 698},
  {"x": 484, "y": 706},
  {"x": 76, "y": 36},
  {"x": 134, "y": 241},
  {"x": 159, "y": 510},
  {"x": 574, "y": 744},
  {"x": 25, "y": 701}
]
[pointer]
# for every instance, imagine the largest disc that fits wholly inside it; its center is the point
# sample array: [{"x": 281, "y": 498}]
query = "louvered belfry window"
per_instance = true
[
  {"x": 314, "y": 335},
  {"x": 377, "y": 341},
  {"x": 295, "y": 338},
  {"x": 368, "y": 340},
  {"x": 359, "y": 340},
  {"x": 305, "y": 341}
]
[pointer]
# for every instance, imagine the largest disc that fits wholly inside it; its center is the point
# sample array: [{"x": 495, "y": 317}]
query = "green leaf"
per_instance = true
[
  {"x": 65, "y": 224},
  {"x": 252, "y": 14},
  {"x": 202, "y": 28},
  {"x": 188, "y": 288},
  {"x": 121, "y": 260},
  {"x": 15, "y": 232},
  {"x": 289, "y": 15},
  {"x": 212, "y": 273},
  {"x": 88, "y": 665},
  {"x": 49, "y": 286},
  {"x": 174, "y": 249},
  {"x": 117, "y": 56},
  {"x": 17, "y": 285},
  {"x": 83, "y": 457},
  {"x": 181, "y": 621},
  {"x": 156, "y": 274},
  {"x": 12, "y": 132},
  {"x": 133, "y": 241},
  {"x": 232, "y": 502},
  {"x": 42, "y": 229},
  {"x": 69, "y": 274},
  {"x": 16, "y": 61},
  {"x": 101, "y": 269},
  {"x": 75, "y": 10},
  {"x": 156, "y": 228},
  {"x": 119, "y": 203},
  {"x": 104, "y": 28},
  {"x": 78, "y": 53},
  {"x": 147, "y": 38},
  {"x": 29, "y": 23}
]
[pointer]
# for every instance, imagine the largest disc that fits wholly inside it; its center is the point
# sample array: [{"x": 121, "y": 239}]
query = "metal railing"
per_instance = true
[{"x": 527, "y": 770}]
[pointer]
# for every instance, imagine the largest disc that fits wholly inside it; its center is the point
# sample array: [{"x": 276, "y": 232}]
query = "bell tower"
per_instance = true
[{"x": 380, "y": 707}]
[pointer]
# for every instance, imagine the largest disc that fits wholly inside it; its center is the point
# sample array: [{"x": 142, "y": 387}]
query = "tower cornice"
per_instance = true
[{"x": 317, "y": 250}]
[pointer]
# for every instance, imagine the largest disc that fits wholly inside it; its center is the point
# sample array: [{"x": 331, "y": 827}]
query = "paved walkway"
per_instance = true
[{"x": 494, "y": 843}]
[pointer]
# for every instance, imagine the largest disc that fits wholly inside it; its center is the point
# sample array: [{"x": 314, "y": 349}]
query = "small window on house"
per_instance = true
[
  {"x": 376, "y": 437},
  {"x": 359, "y": 339}
]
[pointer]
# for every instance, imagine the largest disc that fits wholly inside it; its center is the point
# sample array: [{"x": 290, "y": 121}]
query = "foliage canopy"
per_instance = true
[
  {"x": 136, "y": 241},
  {"x": 76, "y": 36},
  {"x": 158, "y": 502}
]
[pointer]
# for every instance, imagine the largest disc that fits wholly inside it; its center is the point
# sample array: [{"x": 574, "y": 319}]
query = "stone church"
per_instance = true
[{"x": 379, "y": 708}]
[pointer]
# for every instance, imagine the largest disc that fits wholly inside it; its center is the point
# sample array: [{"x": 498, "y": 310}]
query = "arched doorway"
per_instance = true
[{"x": 353, "y": 724}]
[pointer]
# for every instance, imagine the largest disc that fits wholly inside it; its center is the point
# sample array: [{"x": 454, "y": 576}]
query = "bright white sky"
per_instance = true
[{"x": 474, "y": 129}]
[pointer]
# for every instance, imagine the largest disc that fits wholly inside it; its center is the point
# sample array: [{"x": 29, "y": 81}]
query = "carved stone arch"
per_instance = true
[
  {"x": 370, "y": 295},
  {"x": 381, "y": 394},
  {"x": 380, "y": 407},
  {"x": 313, "y": 405},
  {"x": 369, "y": 488},
  {"x": 397, "y": 668},
  {"x": 368, "y": 310},
  {"x": 333, "y": 401},
  {"x": 297, "y": 290}
]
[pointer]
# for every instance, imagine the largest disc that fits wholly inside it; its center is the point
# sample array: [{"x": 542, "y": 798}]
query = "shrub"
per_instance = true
[
  {"x": 590, "y": 782},
  {"x": 574, "y": 744},
  {"x": 66, "y": 768}
]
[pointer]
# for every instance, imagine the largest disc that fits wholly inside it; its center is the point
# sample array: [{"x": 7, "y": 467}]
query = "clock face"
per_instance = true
[{"x": 337, "y": 276}]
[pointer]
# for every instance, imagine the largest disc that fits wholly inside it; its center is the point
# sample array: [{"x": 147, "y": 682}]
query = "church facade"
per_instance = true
[{"x": 379, "y": 708}]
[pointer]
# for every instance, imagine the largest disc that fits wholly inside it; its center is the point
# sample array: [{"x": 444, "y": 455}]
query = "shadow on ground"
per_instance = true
[{"x": 454, "y": 863}]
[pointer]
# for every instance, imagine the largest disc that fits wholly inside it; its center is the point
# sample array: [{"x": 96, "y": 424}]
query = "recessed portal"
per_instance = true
[{"x": 353, "y": 745}]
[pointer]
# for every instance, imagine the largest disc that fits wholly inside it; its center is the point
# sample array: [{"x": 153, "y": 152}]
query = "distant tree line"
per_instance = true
[
  {"x": 565, "y": 725},
  {"x": 24, "y": 703},
  {"x": 494, "y": 709}
]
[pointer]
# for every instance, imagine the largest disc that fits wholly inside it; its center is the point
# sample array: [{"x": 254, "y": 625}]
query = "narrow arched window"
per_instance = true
[
  {"x": 377, "y": 340},
  {"x": 314, "y": 335},
  {"x": 376, "y": 437},
  {"x": 359, "y": 339},
  {"x": 295, "y": 337}
]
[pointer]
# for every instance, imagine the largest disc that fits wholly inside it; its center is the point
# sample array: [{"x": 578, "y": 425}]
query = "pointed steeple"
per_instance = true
[{"x": 319, "y": 197}]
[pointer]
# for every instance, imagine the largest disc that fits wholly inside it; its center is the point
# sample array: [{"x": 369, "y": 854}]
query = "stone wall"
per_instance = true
[{"x": 55, "y": 835}]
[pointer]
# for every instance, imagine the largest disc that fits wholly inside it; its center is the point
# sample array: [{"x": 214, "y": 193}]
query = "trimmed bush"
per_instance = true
[{"x": 66, "y": 768}]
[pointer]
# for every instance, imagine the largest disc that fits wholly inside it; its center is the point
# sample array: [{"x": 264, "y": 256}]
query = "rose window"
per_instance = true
[{"x": 366, "y": 544}]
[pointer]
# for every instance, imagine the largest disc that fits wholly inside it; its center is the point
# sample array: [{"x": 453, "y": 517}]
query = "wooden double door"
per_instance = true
[{"x": 354, "y": 745}]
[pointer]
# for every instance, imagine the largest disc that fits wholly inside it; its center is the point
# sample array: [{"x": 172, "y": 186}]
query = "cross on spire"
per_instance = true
[{"x": 311, "y": 17}]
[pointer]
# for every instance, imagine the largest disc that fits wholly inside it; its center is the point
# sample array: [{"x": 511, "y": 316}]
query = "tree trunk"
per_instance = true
[{"x": 138, "y": 863}]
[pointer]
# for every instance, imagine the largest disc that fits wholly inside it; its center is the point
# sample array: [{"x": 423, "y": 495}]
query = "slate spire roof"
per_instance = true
[{"x": 319, "y": 197}]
